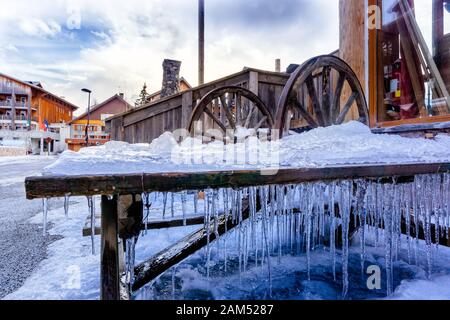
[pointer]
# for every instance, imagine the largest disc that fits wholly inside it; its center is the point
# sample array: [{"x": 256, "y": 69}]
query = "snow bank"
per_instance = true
[{"x": 350, "y": 143}]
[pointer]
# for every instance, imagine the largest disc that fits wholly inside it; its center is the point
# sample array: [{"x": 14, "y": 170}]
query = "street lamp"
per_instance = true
[{"x": 88, "y": 114}]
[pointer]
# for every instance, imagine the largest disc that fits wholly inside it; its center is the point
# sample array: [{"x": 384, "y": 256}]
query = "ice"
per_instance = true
[
  {"x": 44, "y": 216},
  {"x": 91, "y": 206},
  {"x": 301, "y": 219},
  {"x": 66, "y": 205}
]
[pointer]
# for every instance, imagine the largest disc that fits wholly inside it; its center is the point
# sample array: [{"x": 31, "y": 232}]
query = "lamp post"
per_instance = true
[{"x": 88, "y": 115}]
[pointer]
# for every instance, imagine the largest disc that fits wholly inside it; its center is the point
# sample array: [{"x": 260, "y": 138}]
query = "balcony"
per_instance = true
[
  {"x": 4, "y": 89},
  {"x": 19, "y": 105}
]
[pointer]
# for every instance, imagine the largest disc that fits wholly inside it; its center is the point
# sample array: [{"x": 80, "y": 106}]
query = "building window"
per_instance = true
[{"x": 412, "y": 65}]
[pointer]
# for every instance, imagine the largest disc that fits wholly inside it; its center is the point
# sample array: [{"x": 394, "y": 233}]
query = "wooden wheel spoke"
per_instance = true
[
  {"x": 252, "y": 111},
  {"x": 260, "y": 123},
  {"x": 315, "y": 101},
  {"x": 215, "y": 119},
  {"x": 226, "y": 108},
  {"x": 326, "y": 93},
  {"x": 305, "y": 114},
  {"x": 238, "y": 109},
  {"x": 340, "y": 119},
  {"x": 334, "y": 112}
]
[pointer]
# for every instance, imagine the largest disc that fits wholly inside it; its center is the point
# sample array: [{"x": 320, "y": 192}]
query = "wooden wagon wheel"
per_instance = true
[
  {"x": 227, "y": 109},
  {"x": 314, "y": 93}
]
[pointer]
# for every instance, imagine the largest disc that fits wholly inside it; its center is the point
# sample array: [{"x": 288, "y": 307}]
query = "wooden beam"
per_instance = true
[
  {"x": 201, "y": 42},
  {"x": 438, "y": 25},
  {"x": 109, "y": 268},
  {"x": 59, "y": 186}
]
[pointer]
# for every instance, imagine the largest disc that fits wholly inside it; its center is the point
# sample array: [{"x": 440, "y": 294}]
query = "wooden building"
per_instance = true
[
  {"x": 96, "y": 130},
  {"x": 31, "y": 114}
]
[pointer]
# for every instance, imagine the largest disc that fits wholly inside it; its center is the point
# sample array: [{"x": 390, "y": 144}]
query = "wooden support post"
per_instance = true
[
  {"x": 109, "y": 265},
  {"x": 438, "y": 25},
  {"x": 201, "y": 42},
  {"x": 186, "y": 108},
  {"x": 253, "y": 82}
]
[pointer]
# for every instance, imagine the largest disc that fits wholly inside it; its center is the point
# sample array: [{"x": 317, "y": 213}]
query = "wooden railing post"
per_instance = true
[
  {"x": 186, "y": 108},
  {"x": 109, "y": 264}
]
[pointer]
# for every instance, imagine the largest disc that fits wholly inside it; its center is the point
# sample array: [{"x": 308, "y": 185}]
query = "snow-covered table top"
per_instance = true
[
  {"x": 339, "y": 152},
  {"x": 350, "y": 143}
]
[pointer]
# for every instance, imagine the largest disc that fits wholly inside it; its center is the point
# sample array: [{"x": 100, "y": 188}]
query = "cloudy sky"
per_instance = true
[{"x": 115, "y": 46}]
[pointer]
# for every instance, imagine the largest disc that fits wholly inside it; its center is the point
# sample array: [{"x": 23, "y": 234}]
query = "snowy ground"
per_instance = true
[{"x": 22, "y": 245}]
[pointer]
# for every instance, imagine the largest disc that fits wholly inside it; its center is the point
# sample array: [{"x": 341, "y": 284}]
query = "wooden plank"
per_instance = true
[
  {"x": 58, "y": 186},
  {"x": 151, "y": 111},
  {"x": 187, "y": 106},
  {"x": 109, "y": 268},
  {"x": 173, "y": 223}
]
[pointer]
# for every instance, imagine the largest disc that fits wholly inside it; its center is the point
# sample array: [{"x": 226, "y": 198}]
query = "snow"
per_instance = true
[{"x": 350, "y": 143}]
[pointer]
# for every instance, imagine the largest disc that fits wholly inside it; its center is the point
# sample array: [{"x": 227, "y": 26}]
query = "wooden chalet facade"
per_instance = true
[
  {"x": 31, "y": 114},
  {"x": 96, "y": 130}
]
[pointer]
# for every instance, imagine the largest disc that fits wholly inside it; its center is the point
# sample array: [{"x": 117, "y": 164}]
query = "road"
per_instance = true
[{"x": 22, "y": 245}]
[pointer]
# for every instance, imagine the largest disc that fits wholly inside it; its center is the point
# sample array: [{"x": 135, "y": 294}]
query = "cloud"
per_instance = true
[
  {"x": 119, "y": 45},
  {"x": 39, "y": 28}
]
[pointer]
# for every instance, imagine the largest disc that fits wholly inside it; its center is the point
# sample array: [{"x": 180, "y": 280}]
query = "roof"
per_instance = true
[
  {"x": 37, "y": 86},
  {"x": 99, "y": 105},
  {"x": 154, "y": 94}
]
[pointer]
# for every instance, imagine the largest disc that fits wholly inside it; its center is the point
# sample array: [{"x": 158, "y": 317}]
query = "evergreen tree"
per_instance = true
[{"x": 143, "y": 96}]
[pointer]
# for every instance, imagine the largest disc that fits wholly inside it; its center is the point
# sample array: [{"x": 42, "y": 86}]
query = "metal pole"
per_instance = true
[
  {"x": 201, "y": 42},
  {"x": 88, "y": 118}
]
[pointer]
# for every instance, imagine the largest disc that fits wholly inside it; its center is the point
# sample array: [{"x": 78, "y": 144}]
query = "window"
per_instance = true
[{"x": 412, "y": 63}]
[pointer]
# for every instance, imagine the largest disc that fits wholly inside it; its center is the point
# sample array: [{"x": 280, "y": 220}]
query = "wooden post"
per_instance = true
[
  {"x": 186, "y": 108},
  {"x": 109, "y": 265},
  {"x": 253, "y": 82},
  {"x": 201, "y": 42},
  {"x": 438, "y": 25}
]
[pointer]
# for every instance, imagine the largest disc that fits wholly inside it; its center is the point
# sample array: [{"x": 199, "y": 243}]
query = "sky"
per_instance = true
[{"x": 112, "y": 46}]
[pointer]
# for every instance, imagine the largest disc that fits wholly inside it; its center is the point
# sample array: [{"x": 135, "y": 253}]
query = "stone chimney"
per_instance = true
[{"x": 171, "y": 77}]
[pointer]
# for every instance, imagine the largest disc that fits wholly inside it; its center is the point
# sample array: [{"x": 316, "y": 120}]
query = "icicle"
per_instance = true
[
  {"x": 208, "y": 229},
  {"x": 388, "y": 225},
  {"x": 196, "y": 202},
  {"x": 164, "y": 204},
  {"x": 45, "y": 213},
  {"x": 172, "y": 200},
  {"x": 130, "y": 245},
  {"x": 344, "y": 209},
  {"x": 174, "y": 270},
  {"x": 90, "y": 200},
  {"x": 66, "y": 205},
  {"x": 309, "y": 213},
  {"x": 331, "y": 207},
  {"x": 263, "y": 195},
  {"x": 183, "y": 206}
]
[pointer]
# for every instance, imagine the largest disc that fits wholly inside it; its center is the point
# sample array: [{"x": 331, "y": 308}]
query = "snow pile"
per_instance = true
[{"x": 350, "y": 143}]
